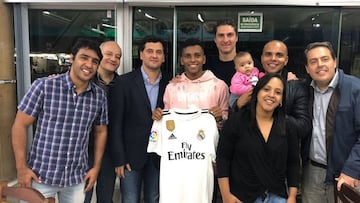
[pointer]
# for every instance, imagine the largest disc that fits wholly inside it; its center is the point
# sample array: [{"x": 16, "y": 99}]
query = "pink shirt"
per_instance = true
[
  {"x": 241, "y": 83},
  {"x": 204, "y": 93}
]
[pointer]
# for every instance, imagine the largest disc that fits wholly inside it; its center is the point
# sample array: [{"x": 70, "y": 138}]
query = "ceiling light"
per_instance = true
[
  {"x": 109, "y": 26},
  {"x": 98, "y": 31},
  {"x": 200, "y": 17},
  {"x": 149, "y": 16}
]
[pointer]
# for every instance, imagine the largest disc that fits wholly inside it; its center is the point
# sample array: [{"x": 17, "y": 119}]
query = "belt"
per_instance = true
[{"x": 314, "y": 163}]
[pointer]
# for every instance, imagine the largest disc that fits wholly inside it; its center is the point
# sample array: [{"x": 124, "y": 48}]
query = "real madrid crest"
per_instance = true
[{"x": 201, "y": 134}]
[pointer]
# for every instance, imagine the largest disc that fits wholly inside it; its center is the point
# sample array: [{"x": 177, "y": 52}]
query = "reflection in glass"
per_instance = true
[
  {"x": 349, "y": 57},
  {"x": 53, "y": 32},
  {"x": 158, "y": 22},
  {"x": 295, "y": 26}
]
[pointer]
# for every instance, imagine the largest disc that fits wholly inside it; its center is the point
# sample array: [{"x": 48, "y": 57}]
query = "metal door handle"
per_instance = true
[{"x": 7, "y": 82}]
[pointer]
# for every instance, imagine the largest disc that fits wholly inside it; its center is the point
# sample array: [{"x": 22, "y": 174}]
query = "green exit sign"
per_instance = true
[{"x": 250, "y": 22}]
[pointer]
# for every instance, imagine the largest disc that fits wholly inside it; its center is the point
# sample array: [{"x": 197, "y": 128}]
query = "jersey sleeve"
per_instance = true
[
  {"x": 213, "y": 128},
  {"x": 155, "y": 142}
]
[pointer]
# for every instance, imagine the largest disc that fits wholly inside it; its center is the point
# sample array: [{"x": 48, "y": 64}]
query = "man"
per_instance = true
[
  {"x": 132, "y": 100},
  {"x": 222, "y": 65},
  {"x": 332, "y": 150},
  {"x": 197, "y": 88},
  {"x": 194, "y": 89},
  {"x": 226, "y": 37},
  {"x": 274, "y": 58},
  {"x": 66, "y": 108},
  {"x": 105, "y": 78}
]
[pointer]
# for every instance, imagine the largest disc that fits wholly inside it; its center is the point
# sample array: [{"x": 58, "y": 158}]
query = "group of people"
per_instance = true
[{"x": 220, "y": 125}]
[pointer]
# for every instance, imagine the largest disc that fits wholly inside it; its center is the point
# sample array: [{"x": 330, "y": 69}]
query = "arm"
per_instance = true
[
  {"x": 350, "y": 172},
  {"x": 19, "y": 141},
  {"x": 220, "y": 111},
  {"x": 167, "y": 97},
  {"x": 99, "y": 145},
  {"x": 226, "y": 195},
  {"x": 224, "y": 157},
  {"x": 117, "y": 105},
  {"x": 297, "y": 109},
  {"x": 223, "y": 101},
  {"x": 242, "y": 100},
  {"x": 226, "y": 146},
  {"x": 293, "y": 167}
]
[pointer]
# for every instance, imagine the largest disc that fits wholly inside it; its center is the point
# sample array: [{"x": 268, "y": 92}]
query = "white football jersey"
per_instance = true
[{"x": 186, "y": 140}]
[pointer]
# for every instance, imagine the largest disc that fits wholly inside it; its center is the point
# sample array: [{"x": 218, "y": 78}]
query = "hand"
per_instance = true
[
  {"x": 291, "y": 199},
  {"x": 217, "y": 113},
  {"x": 230, "y": 198},
  {"x": 91, "y": 177},
  {"x": 346, "y": 179},
  {"x": 53, "y": 75},
  {"x": 157, "y": 114},
  {"x": 176, "y": 79},
  {"x": 291, "y": 76},
  {"x": 292, "y": 191},
  {"x": 25, "y": 175},
  {"x": 244, "y": 99},
  {"x": 120, "y": 170}
]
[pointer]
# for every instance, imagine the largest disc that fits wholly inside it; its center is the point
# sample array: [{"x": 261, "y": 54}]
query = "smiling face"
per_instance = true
[
  {"x": 244, "y": 64},
  {"x": 83, "y": 66},
  {"x": 111, "y": 56},
  {"x": 152, "y": 56},
  {"x": 274, "y": 57},
  {"x": 225, "y": 39},
  {"x": 193, "y": 59},
  {"x": 321, "y": 66},
  {"x": 270, "y": 96}
]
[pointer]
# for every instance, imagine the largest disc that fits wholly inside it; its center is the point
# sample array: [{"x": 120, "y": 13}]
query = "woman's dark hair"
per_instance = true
[{"x": 279, "y": 113}]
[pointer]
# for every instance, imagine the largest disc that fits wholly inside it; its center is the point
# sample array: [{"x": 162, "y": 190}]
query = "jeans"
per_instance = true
[
  {"x": 105, "y": 182},
  {"x": 69, "y": 194},
  {"x": 270, "y": 198},
  {"x": 131, "y": 185}
]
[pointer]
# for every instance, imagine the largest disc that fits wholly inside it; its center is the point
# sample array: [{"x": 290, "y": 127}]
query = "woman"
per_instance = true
[{"x": 256, "y": 155}]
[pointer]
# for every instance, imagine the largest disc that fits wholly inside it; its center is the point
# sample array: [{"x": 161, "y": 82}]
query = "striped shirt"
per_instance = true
[{"x": 59, "y": 152}]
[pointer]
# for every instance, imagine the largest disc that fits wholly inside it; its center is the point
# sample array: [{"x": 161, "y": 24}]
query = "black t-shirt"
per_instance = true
[{"x": 223, "y": 70}]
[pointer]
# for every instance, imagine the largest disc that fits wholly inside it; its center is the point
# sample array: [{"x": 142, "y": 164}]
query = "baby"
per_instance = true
[{"x": 246, "y": 75}]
